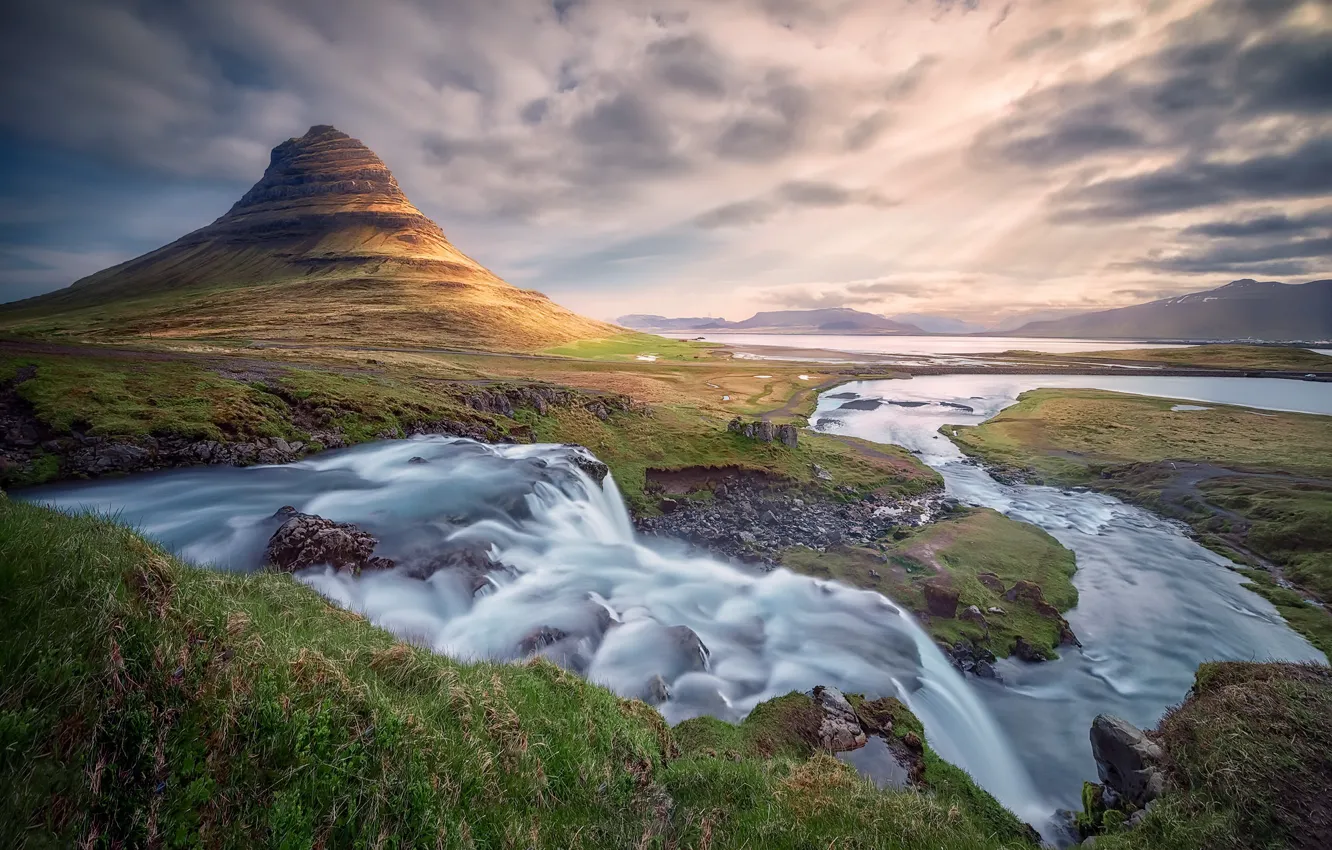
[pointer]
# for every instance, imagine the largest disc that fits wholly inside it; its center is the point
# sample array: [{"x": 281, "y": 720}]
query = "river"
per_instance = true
[{"x": 1153, "y": 604}]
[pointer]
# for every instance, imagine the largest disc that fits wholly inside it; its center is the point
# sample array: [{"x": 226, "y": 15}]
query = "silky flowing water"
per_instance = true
[
  {"x": 573, "y": 564},
  {"x": 1153, "y": 604}
]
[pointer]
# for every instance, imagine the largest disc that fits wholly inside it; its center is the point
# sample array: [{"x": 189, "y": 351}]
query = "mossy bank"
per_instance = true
[{"x": 148, "y": 703}]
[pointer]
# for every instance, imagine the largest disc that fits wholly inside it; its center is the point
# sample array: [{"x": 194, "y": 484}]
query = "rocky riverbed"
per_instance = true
[{"x": 752, "y": 521}]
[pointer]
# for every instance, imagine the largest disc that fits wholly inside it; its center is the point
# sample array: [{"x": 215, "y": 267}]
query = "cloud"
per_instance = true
[
  {"x": 1271, "y": 224},
  {"x": 1273, "y": 243},
  {"x": 1302, "y": 172},
  {"x": 796, "y": 194}
]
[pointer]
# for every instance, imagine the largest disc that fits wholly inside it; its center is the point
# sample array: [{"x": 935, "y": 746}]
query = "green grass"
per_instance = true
[
  {"x": 1069, "y": 436},
  {"x": 1247, "y": 756},
  {"x": 116, "y": 397},
  {"x": 957, "y": 549},
  {"x": 679, "y": 437},
  {"x": 1128, "y": 445},
  {"x": 632, "y": 346},
  {"x": 148, "y": 703}
]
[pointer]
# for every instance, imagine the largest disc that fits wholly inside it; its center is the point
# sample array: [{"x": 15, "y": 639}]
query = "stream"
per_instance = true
[
  {"x": 1152, "y": 604},
  {"x": 724, "y": 638}
]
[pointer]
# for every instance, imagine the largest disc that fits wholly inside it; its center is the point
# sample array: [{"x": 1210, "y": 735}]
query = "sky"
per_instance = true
[{"x": 969, "y": 158}]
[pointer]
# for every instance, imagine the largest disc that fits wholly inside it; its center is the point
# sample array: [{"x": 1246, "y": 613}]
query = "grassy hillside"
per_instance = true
[
  {"x": 147, "y": 703},
  {"x": 1255, "y": 485}
]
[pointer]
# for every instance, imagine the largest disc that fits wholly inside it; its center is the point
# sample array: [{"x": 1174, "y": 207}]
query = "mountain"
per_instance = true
[
  {"x": 938, "y": 324},
  {"x": 325, "y": 247},
  {"x": 647, "y": 322},
  {"x": 1243, "y": 309},
  {"x": 831, "y": 320}
]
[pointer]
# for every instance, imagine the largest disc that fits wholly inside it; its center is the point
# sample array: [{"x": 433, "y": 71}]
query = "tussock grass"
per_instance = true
[
  {"x": 147, "y": 703},
  {"x": 1249, "y": 755}
]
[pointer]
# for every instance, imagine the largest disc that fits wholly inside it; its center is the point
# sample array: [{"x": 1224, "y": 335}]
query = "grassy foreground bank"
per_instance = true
[
  {"x": 1255, "y": 485},
  {"x": 147, "y": 703}
]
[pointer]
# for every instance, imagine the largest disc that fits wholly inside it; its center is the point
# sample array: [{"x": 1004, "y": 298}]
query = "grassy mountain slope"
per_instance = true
[{"x": 324, "y": 248}]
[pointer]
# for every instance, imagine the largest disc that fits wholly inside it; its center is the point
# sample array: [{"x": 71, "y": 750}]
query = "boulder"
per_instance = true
[
  {"x": 1127, "y": 761},
  {"x": 940, "y": 599},
  {"x": 1030, "y": 593},
  {"x": 821, "y": 473},
  {"x": 417, "y": 459},
  {"x": 538, "y": 639},
  {"x": 657, "y": 691},
  {"x": 305, "y": 540},
  {"x": 788, "y": 435},
  {"x": 595, "y": 469},
  {"x": 668, "y": 506},
  {"x": 991, "y": 582},
  {"x": 973, "y": 614},
  {"x": 1027, "y": 652},
  {"x": 766, "y": 431},
  {"x": 839, "y": 729}
]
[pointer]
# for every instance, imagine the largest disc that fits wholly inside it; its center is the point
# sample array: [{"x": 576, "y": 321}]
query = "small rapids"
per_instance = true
[
  {"x": 1153, "y": 604},
  {"x": 627, "y": 611}
]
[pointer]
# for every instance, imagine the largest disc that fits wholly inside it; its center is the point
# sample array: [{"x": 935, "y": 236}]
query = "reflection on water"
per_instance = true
[{"x": 1152, "y": 604}]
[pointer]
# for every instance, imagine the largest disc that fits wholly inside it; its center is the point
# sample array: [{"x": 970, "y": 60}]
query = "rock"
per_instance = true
[
  {"x": 985, "y": 670},
  {"x": 668, "y": 506},
  {"x": 595, "y": 469},
  {"x": 1030, "y": 593},
  {"x": 720, "y": 491},
  {"x": 874, "y": 574},
  {"x": 840, "y": 729},
  {"x": 973, "y": 614},
  {"x": 788, "y": 435},
  {"x": 657, "y": 691},
  {"x": 821, "y": 473},
  {"x": 1127, "y": 761},
  {"x": 940, "y": 599},
  {"x": 1027, "y": 652},
  {"x": 417, "y": 460},
  {"x": 538, "y": 639},
  {"x": 689, "y": 646},
  {"x": 305, "y": 540},
  {"x": 1135, "y": 820},
  {"x": 766, "y": 431},
  {"x": 991, "y": 582},
  {"x": 119, "y": 457},
  {"x": 995, "y": 609}
]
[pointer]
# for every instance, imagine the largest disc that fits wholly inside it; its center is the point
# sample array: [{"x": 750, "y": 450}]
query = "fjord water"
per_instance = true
[
  {"x": 1152, "y": 603},
  {"x": 573, "y": 564}
]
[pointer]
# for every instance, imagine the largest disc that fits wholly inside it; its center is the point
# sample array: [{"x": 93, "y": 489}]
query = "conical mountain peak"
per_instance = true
[{"x": 323, "y": 171}]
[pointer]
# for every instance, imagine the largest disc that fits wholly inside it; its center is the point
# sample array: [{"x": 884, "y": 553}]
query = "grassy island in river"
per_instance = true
[{"x": 1255, "y": 485}]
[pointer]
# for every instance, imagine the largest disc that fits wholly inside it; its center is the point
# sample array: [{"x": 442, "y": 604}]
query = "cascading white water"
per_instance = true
[
  {"x": 1153, "y": 604},
  {"x": 621, "y": 610}
]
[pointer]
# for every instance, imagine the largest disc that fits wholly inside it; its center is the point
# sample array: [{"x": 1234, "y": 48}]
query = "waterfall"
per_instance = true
[{"x": 643, "y": 618}]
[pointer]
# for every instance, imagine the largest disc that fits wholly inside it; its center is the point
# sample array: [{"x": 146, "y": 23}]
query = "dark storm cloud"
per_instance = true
[
  {"x": 796, "y": 194},
  {"x": 689, "y": 63},
  {"x": 1304, "y": 172},
  {"x": 773, "y": 126},
  {"x": 1227, "y": 66},
  {"x": 1275, "y": 224},
  {"x": 625, "y": 131},
  {"x": 1272, "y": 243}
]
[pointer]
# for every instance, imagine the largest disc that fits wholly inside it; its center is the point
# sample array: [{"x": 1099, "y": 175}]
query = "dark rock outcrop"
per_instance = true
[
  {"x": 839, "y": 729},
  {"x": 765, "y": 432},
  {"x": 1127, "y": 761},
  {"x": 305, "y": 540},
  {"x": 1030, "y": 593},
  {"x": 940, "y": 598}
]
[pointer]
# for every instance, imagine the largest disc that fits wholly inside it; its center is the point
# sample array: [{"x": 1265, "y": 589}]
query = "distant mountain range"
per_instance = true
[
  {"x": 1243, "y": 309},
  {"x": 831, "y": 320},
  {"x": 325, "y": 247}
]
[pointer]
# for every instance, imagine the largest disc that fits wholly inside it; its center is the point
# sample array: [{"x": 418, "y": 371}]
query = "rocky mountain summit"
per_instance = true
[{"x": 325, "y": 247}]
